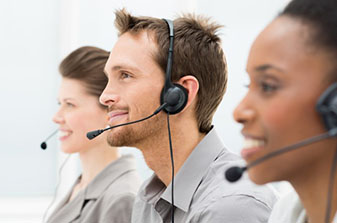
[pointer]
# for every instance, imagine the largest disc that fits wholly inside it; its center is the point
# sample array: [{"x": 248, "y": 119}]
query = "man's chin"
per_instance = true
[
  {"x": 116, "y": 142},
  {"x": 119, "y": 138},
  {"x": 135, "y": 136}
]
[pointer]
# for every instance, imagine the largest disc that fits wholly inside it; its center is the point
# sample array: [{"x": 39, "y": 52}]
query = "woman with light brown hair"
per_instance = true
[{"x": 105, "y": 190}]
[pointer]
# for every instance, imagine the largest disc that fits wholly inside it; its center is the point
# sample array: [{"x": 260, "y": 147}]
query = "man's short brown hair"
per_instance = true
[{"x": 197, "y": 52}]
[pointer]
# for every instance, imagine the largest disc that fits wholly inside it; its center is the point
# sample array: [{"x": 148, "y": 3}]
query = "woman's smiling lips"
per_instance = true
[
  {"x": 64, "y": 134},
  {"x": 251, "y": 146}
]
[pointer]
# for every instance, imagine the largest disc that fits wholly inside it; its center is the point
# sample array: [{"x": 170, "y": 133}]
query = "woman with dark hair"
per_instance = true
[
  {"x": 105, "y": 190},
  {"x": 291, "y": 63}
]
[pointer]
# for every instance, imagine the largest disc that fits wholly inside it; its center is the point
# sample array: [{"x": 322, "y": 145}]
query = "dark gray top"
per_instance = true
[
  {"x": 201, "y": 192},
  {"x": 108, "y": 198}
]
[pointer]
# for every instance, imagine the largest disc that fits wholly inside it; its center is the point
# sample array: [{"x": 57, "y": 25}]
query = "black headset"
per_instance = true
[
  {"x": 173, "y": 94},
  {"x": 327, "y": 107}
]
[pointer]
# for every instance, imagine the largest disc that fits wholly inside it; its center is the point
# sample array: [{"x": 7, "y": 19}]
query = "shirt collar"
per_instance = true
[
  {"x": 194, "y": 168},
  {"x": 111, "y": 173}
]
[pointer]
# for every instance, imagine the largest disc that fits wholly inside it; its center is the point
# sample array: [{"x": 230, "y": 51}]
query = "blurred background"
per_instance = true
[{"x": 37, "y": 34}]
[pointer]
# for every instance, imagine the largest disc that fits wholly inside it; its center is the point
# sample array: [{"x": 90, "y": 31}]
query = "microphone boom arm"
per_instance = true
[
  {"x": 326, "y": 135},
  {"x": 95, "y": 133}
]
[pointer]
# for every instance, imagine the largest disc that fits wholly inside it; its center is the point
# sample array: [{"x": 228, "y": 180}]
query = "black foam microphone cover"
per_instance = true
[
  {"x": 43, "y": 145},
  {"x": 234, "y": 173},
  {"x": 93, "y": 134}
]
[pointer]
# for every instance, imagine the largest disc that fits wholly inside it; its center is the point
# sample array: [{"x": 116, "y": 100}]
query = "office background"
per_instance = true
[{"x": 37, "y": 34}]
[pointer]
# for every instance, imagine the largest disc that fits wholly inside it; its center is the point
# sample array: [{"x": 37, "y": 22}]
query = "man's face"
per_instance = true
[{"x": 133, "y": 90}]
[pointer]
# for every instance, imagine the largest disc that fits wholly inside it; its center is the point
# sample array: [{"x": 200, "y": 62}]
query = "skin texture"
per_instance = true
[
  {"x": 79, "y": 113},
  {"x": 76, "y": 108},
  {"x": 135, "y": 83},
  {"x": 287, "y": 76},
  {"x": 133, "y": 92}
]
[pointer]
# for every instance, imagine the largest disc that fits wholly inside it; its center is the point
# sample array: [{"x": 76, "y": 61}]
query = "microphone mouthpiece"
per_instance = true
[
  {"x": 234, "y": 173},
  {"x": 43, "y": 145},
  {"x": 93, "y": 134}
]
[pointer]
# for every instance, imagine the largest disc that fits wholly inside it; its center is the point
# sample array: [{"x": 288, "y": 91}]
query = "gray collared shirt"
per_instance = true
[
  {"x": 201, "y": 193},
  {"x": 108, "y": 198}
]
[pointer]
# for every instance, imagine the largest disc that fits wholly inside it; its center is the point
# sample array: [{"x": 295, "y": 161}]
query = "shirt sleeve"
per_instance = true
[
  {"x": 235, "y": 209},
  {"x": 120, "y": 210}
]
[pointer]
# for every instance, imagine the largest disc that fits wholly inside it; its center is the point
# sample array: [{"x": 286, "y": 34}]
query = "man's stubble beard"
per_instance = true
[{"x": 136, "y": 134}]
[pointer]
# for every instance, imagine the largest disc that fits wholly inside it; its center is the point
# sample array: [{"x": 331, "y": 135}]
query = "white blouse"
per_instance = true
[{"x": 289, "y": 209}]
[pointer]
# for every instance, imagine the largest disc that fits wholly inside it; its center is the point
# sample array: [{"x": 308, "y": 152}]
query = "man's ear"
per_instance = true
[{"x": 191, "y": 84}]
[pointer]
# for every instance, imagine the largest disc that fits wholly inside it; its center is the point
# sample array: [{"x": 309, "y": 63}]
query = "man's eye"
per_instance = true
[{"x": 125, "y": 75}]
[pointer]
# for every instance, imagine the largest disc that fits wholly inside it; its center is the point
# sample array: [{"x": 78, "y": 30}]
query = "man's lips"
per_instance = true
[{"x": 116, "y": 115}]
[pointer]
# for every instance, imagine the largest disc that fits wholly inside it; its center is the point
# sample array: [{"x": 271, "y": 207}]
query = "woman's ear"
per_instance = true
[{"x": 191, "y": 84}]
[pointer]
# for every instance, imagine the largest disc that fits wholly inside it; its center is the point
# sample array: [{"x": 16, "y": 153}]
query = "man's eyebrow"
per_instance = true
[{"x": 120, "y": 67}]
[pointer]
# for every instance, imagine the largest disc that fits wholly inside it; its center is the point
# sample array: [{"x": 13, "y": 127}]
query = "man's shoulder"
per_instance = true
[
  {"x": 237, "y": 208},
  {"x": 218, "y": 187},
  {"x": 216, "y": 183},
  {"x": 216, "y": 196},
  {"x": 228, "y": 202}
]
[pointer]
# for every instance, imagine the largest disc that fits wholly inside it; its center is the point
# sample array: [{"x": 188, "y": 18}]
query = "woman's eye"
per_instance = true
[
  {"x": 266, "y": 87},
  {"x": 70, "y": 105}
]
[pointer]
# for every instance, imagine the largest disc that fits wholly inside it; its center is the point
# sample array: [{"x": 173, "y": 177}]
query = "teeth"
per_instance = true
[
  {"x": 63, "y": 133},
  {"x": 251, "y": 143}
]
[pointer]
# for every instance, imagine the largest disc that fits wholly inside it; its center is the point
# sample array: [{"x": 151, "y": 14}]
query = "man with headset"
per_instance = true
[{"x": 192, "y": 57}]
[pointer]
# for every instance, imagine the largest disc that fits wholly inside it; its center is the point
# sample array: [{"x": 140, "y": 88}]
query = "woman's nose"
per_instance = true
[
  {"x": 58, "y": 118},
  {"x": 244, "y": 112}
]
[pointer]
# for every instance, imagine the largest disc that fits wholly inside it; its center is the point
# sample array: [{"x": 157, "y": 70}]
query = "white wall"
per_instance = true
[{"x": 37, "y": 34}]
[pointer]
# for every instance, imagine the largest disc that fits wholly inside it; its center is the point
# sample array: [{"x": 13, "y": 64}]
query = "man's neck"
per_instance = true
[{"x": 185, "y": 137}]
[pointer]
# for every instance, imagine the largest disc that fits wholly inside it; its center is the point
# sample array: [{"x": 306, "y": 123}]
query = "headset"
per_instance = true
[
  {"x": 326, "y": 106},
  {"x": 173, "y": 94},
  {"x": 175, "y": 97}
]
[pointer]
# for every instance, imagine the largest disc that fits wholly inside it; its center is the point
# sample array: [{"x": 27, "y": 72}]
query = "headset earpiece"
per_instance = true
[
  {"x": 173, "y": 94},
  {"x": 175, "y": 97},
  {"x": 327, "y": 107}
]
